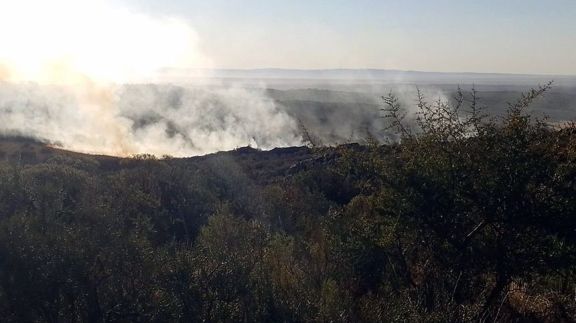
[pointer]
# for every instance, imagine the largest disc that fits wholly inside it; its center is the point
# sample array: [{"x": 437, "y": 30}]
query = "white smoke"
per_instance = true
[
  {"x": 192, "y": 120},
  {"x": 63, "y": 69},
  {"x": 156, "y": 119}
]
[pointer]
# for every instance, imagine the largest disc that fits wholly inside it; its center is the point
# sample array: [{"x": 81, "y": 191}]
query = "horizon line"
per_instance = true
[{"x": 365, "y": 69}]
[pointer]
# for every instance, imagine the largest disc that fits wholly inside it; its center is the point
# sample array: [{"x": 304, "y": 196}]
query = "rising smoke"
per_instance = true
[
  {"x": 69, "y": 73},
  {"x": 159, "y": 119}
]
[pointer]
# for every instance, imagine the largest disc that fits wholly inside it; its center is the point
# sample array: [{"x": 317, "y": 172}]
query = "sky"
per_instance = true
[
  {"x": 506, "y": 36},
  {"x": 110, "y": 39}
]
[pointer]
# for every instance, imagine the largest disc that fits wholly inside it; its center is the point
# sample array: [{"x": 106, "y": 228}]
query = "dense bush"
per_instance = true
[{"x": 459, "y": 218}]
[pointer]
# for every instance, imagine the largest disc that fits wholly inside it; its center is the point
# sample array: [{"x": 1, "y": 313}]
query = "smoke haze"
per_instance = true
[
  {"x": 158, "y": 119},
  {"x": 94, "y": 77},
  {"x": 65, "y": 70}
]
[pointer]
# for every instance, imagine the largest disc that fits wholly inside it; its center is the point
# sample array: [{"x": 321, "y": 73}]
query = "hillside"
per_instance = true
[
  {"x": 258, "y": 165},
  {"x": 467, "y": 219},
  {"x": 287, "y": 161}
]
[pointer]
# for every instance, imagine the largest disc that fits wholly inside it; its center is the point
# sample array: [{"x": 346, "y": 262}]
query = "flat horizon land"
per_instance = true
[{"x": 340, "y": 76}]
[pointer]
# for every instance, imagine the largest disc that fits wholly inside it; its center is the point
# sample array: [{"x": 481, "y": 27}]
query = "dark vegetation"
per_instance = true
[
  {"x": 461, "y": 218},
  {"x": 343, "y": 113}
]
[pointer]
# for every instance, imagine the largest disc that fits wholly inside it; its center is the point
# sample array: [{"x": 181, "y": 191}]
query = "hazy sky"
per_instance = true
[
  {"x": 523, "y": 36},
  {"x": 518, "y": 36}
]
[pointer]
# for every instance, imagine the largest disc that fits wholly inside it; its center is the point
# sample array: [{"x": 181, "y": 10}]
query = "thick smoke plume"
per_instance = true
[
  {"x": 65, "y": 74},
  {"x": 157, "y": 119}
]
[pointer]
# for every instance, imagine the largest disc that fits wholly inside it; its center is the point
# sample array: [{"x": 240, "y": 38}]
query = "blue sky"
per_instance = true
[{"x": 508, "y": 36}]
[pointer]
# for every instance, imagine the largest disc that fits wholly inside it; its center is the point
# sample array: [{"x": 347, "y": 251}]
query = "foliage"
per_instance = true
[{"x": 460, "y": 218}]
